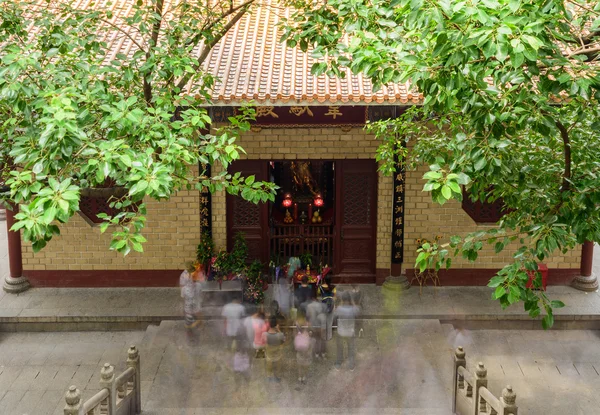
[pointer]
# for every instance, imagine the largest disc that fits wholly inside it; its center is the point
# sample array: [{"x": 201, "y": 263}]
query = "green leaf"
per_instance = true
[
  {"x": 137, "y": 246},
  {"x": 38, "y": 167},
  {"x": 557, "y": 304},
  {"x": 480, "y": 164},
  {"x": 532, "y": 41},
  {"x": 548, "y": 321},
  {"x": 463, "y": 179},
  {"x": 499, "y": 292},
  {"x": 446, "y": 192},
  {"x": 513, "y": 5},
  {"x": 495, "y": 281},
  {"x": 454, "y": 186},
  {"x": 432, "y": 175},
  {"x": 50, "y": 214}
]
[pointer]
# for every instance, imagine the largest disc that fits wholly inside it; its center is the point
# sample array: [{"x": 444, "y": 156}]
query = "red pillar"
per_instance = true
[
  {"x": 14, "y": 246},
  {"x": 587, "y": 258},
  {"x": 14, "y": 282},
  {"x": 586, "y": 281}
]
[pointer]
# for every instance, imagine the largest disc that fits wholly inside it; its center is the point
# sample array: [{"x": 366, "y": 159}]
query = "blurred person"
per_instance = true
[
  {"x": 303, "y": 295},
  {"x": 345, "y": 314},
  {"x": 191, "y": 290},
  {"x": 273, "y": 339},
  {"x": 317, "y": 320},
  {"x": 356, "y": 298},
  {"x": 327, "y": 292},
  {"x": 259, "y": 327},
  {"x": 304, "y": 345},
  {"x": 275, "y": 311},
  {"x": 233, "y": 312},
  {"x": 247, "y": 323},
  {"x": 282, "y": 293},
  {"x": 241, "y": 363}
]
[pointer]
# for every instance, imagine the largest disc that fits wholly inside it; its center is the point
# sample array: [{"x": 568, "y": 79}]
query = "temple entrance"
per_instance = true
[{"x": 324, "y": 210}]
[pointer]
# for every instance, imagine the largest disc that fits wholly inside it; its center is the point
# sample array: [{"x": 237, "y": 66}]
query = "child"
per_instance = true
[
  {"x": 273, "y": 340},
  {"x": 304, "y": 345},
  {"x": 259, "y": 327}
]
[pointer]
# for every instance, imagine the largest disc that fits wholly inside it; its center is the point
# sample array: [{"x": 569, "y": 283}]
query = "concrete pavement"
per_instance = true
[
  {"x": 134, "y": 308},
  {"x": 69, "y": 309}
]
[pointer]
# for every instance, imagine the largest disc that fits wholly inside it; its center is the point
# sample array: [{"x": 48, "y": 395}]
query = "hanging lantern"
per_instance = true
[
  {"x": 287, "y": 200},
  {"x": 318, "y": 200}
]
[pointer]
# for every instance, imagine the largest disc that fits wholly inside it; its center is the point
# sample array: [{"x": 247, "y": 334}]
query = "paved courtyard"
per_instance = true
[{"x": 403, "y": 367}]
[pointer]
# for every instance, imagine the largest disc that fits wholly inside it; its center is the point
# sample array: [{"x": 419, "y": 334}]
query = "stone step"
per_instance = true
[{"x": 296, "y": 411}]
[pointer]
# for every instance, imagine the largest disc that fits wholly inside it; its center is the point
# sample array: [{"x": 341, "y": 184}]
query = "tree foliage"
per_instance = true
[
  {"x": 76, "y": 115},
  {"x": 510, "y": 110}
]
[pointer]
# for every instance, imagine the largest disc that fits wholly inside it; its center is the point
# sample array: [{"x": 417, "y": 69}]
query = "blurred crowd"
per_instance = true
[{"x": 301, "y": 316}]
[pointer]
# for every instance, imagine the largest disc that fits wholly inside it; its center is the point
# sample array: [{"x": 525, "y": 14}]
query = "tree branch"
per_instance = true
[
  {"x": 108, "y": 22},
  {"x": 564, "y": 134},
  {"x": 153, "y": 41},
  {"x": 209, "y": 25},
  {"x": 583, "y": 7},
  {"x": 590, "y": 53},
  {"x": 208, "y": 47}
]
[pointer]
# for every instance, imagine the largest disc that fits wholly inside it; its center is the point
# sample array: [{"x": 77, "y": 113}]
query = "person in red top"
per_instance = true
[{"x": 259, "y": 326}]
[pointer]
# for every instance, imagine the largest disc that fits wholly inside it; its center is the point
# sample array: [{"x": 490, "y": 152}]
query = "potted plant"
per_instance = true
[
  {"x": 205, "y": 252},
  {"x": 220, "y": 267},
  {"x": 255, "y": 285},
  {"x": 306, "y": 259},
  {"x": 238, "y": 256}
]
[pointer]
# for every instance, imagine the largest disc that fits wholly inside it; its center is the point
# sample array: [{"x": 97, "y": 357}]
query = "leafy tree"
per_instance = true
[
  {"x": 75, "y": 115},
  {"x": 511, "y": 91}
]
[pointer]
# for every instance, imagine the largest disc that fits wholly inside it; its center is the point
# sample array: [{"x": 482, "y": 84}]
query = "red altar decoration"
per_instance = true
[{"x": 313, "y": 276}]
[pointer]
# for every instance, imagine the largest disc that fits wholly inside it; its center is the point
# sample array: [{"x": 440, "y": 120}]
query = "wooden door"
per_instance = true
[
  {"x": 356, "y": 187},
  {"x": 247, "y": 217}
]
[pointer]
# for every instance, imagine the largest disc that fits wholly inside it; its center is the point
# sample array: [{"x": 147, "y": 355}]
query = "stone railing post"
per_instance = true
[
  {"x": 480, "y": 380},
  {"x": 133, "y": 360},
  {"x": 459, "y": 360},
  {"x": 508, "y": 401},
  {"x": 107, "y": 381},
  {"x": 73, "y": 399}
]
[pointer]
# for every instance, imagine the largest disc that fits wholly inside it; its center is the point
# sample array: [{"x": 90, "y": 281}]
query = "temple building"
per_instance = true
[{"x": 309, "y": 139}]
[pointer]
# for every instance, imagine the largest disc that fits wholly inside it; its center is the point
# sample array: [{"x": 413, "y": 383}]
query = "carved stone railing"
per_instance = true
[
  {"x": 120, "y": 395},
  {"x": 471, "y": 395}
]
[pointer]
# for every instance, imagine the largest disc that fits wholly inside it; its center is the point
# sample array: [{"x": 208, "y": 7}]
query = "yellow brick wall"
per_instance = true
[
  {"x": 172, "y": 230},
  {"x": 426, "y": 219}
]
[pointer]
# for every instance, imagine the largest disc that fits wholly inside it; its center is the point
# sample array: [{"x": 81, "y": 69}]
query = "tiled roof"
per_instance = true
[{"x": 251, "y": 63}]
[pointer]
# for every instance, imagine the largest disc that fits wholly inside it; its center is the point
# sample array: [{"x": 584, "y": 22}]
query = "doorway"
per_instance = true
[{"x": 326, "y": 209}]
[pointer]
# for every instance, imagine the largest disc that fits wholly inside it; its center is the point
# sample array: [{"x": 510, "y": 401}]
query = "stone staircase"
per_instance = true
[{"x": 403, "y": 367}]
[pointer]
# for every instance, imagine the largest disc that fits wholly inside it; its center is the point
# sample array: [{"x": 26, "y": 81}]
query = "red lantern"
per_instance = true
[
  {"x": 287, "y": 200},
  {"x": 318, "y": 201}
]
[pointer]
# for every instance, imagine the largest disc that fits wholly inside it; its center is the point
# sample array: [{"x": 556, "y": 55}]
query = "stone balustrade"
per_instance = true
[
  {"x": 120, "y": 395},
  {"x": 471, "y": 395}
]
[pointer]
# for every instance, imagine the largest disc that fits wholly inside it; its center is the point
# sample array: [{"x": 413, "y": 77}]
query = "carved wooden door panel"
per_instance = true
[
  {"x": 247, "y": 217},
  {"x": 356, "y": 182}
]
